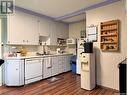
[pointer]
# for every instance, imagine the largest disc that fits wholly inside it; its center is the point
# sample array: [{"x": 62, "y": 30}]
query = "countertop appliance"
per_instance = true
[
  {"x": 70, "y": 41},
  {"x": 80, "y": 49},
  {"x": 88, "y": 71},
  {"x": 123, "y": 77}
]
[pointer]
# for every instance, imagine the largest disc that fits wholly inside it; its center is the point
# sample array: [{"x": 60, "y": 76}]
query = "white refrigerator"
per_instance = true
[{"x": 80, "y": 49}]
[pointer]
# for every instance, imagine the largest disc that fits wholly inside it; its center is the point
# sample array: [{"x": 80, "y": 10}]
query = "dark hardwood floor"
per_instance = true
[{"x": 68, "y": 84}]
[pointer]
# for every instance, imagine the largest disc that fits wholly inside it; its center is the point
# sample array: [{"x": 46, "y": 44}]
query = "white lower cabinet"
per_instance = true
[
  {"x": 14, "y": 72},
  {"x": 64, "y": 63},
  {"x": 33, "y": 70},
  {"x": 61, "y": 65},
  {"x": 47, "y": 67},
  {"x": 67, "y": 63},
  {"x": 55, "y": 65},
  {"x": 18, "y": 72}
]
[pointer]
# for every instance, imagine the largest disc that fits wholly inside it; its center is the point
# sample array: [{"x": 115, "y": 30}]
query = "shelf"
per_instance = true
[
  {"x": 108, "y": 42},
  {"x": 109, "y": 23},
  {"x": 109, "y": 31},
  {"x": 108, "y": 35},
  {"x": 109, "y": 50}
]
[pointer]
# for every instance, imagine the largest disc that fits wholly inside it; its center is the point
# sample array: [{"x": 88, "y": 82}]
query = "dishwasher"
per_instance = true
[{"x": 33, "y": 70}]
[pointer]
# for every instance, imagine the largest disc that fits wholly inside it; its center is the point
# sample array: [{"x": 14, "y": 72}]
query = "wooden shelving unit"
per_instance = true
[{"x": 109, "y": 37}]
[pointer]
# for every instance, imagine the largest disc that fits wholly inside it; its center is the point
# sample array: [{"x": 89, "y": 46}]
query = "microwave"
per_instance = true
[{"x": 70, "y": 41}]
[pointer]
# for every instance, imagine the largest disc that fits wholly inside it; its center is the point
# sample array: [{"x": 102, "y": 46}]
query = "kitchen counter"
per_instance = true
[
  {"x": 28, "y": 69},
  {"x": 36, "y": 56}
]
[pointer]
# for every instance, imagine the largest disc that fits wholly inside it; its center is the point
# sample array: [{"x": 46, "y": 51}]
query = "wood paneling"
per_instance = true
[{"x": 68, "y": 84}]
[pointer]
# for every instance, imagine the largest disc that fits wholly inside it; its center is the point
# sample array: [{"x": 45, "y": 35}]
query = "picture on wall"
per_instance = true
[
  {"x": 83, "y": 34},
  {"x": 91, "y": 34}
]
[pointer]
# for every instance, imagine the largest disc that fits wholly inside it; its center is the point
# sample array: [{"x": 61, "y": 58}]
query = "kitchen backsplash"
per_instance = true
[
  {"x": 30, "y": 49},
  {"x": 71, "y": 49}
]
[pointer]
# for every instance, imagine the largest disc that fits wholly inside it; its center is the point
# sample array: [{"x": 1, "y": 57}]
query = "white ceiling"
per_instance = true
[{"x": 56, "y": 8}]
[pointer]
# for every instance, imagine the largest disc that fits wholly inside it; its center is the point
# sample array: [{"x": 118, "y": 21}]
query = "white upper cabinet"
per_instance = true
[
  {"x": 53, "y": 34},
  {"x": 44, "y": 27},
  {"x": 62, "y": 30},
  {"x": 31, "y": 30},
  {"x": 22, "y": 29},
  {"x": 58, "y": 30},
  {"x": 25, "y": 29},
  {"x": 15, "y": 28}
]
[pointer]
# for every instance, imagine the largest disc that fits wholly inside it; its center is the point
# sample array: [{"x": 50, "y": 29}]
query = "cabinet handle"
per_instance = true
[
  {"x": 27, "y": 41},
  {"x": 23, "y": 40},
  {"x": 33, "y": 60},
  {"x": 51, "y": 62},
  {"x": 29, "y": 60},
  {"x": 50, "y": 67}
]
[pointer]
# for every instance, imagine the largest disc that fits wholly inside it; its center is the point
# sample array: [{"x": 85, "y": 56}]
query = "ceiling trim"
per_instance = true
[
  {"x": 36, "y": 14},
  {"x": 77, "y": 21},
  {"x": 33, "y": 13},
  {"x": 81, "y": 11},
  {"x": 76, "y": 13}
]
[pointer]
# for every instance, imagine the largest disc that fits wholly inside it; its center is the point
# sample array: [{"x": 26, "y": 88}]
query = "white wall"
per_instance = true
[
  {"x": 107, "y": 62},
  {"x": 75, "y": 28}
]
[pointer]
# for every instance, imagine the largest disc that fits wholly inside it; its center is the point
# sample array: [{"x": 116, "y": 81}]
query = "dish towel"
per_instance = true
[{"x": 48, "y": 63}]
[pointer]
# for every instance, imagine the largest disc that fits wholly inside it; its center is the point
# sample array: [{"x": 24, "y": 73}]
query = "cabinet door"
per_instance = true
[
  {"x": 65, "y": 31},
  {"x": 14, "y": 72},
  {"x": 47, "y": 67},
  {"x": 53, "y": 34},
  {"x": 67, "y": 65},
  {"x": 31, "y": 35},
  {"x": 64, "y": 63},
  {"x": 55, "y": 66},
  {"x": 22, "y": 29},
  {"x": 15, "y": 30},
  {"x": 44, "y": 27},
  {"x": 61, "y": 65},
  {"x": 62, "y": 30}
]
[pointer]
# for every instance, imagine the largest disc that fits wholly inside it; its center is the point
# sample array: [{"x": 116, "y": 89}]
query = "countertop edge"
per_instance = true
[{"x": 27, "y": 57}]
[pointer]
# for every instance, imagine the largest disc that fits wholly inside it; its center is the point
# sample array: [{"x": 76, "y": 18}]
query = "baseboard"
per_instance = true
[{"x": 117, "y": 91}]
